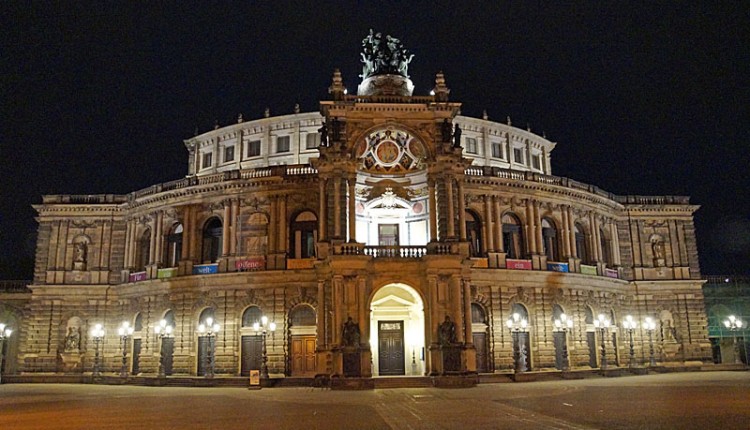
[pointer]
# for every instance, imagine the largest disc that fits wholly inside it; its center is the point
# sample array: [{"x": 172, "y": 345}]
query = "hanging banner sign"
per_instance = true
[
  {"x": 558, "y": 267},
  {"x": 205, "y": 269},
  {"x": 250, "y": 264},
  {"x": 611, "y": 273},
  {"x": 166, "y": 273},
  {"x": 137, "y": 276},
  {"x": 518, "y": 264},
  {"x": 588, "y": 270}
]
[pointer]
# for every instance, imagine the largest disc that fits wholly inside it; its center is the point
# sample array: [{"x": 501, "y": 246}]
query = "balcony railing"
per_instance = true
[{"x": 14, "y": 287}]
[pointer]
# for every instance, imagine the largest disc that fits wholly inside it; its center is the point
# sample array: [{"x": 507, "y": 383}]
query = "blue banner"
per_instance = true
[
  {"x": 205, "y": 269},
  {"x": 558, "y": 267}
]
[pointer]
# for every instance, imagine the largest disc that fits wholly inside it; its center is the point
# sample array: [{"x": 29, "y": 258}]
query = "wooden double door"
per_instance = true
[
  {"x": 303, "y": 355},
  {"x": 391, "y": 348}
]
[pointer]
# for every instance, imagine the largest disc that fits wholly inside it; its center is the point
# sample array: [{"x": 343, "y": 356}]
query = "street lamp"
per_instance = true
[
  {"x": 125, "y": 331},
  {"x": 5, "y": 333},
  {"x": 563, "y": 325},
  {"x": 209, "y": 329},
  {"x": 650, "y": 325},
  {"x": 518, "y": 325},
  {"x": 264, "y": 327},
  {"x": 602, "y": 324},
  {"x": 629, "y": 324},
  {"x": 97, "y": 334},
  {"x": 163, "y": 330},
  {"x": 734, "y": 324}
]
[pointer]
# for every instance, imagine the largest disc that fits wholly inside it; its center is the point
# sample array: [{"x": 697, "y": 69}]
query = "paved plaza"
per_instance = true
[{"x": 665, "y": 401}]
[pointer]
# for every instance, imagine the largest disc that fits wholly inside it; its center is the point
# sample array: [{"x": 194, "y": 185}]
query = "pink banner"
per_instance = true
[
  {"x": 250, "y": 264},
  {"x": 518, "y": 264},
  {"x": 611, "y": 273},
  {"x": 137, "y": 276}
]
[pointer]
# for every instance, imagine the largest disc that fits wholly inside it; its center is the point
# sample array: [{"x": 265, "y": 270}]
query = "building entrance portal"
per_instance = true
[{"x": 398, "y": 331}]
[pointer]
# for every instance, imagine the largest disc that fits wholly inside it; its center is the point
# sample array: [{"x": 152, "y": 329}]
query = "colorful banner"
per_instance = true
[
  {"x": 480, "y": 263},
  {"x": 558, "y": 267},
  {"x": 302, "y": 263},
  {"x": 611, "y": 273},
  {"x": 250, "y": 264},
  {"x": 588, "y": 270},
  {"x": 205, "y": 269},
  {"x": 166, "y": 273},
  {"x": 518, "y": 264},
  {"x": 137, "y": 276}
]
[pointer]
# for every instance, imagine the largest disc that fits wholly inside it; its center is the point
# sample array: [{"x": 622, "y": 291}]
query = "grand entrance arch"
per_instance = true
[{"x": 397, "y": 331}]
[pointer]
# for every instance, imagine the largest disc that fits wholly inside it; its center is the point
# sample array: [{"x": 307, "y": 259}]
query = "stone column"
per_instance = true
[
  {"x": 273, "y": 226},
  {"x": 571, "y": 232},
  {"x": 457, "y": 307},
  {"x": 530, "y": 229},
  {"x": 281, "y": 246},
  {"x": 499, "y": 245},
  {"x": 128, "y": 238},
  {"x": 225, "y": 229},
  {"x": 234, "y": 233},
  {"x": 451, "y": 220},
  {"x": 352, "y": 210},
  {"x": 489, "y": 242},
  {"x": 538, "y": 225},
  {"x": 433, "y": 210},
  {"x": 322, "y": 219},
  {"x": 467, "y": 312},
  {"x": 321, "y": 320},
  {"x": 615, "y": 243},
  {"x": 159, "y": 237},
  {"x": 596, "y": 235},
  {"x": 565, "y": 232},
  {"x": 364, "y": 325},
  {"x": 337, "y": 208},
  {"x": 152, "y": 240},
  {"x": 461, "y": 212}
]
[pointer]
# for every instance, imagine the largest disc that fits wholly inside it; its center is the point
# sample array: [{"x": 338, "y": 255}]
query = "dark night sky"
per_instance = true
[{"x": 642, "y": 98}]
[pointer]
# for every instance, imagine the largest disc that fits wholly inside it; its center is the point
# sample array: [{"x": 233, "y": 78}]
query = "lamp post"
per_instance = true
[
  {"x": 517, "y": 325},
  {"x": 125, "y": 331},
  {"x": 629, "y": 324},
  {"x": 263, "y": 328},
  {"x": 97, "y": 334},
  {"x": 602, "y": 324},
  {"x": 734, "y": 324},
  {"x": 650, "y": 325},
  {"x": 163, "y": 330},
  {"x": 563, "y": 325},
  {"x": 5, "y": 333},
  {"x": 209, "y": 329}
]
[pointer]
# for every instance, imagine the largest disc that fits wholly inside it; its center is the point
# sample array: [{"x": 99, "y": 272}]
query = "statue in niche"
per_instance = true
[
  {"x": 447, "y": 332},
  {"x": 73, "y": 339},
  {"x": 80, "y": 251},
  {"x": 457, "y": 137},
  {"x": 445, "y": 130},
  {"x": 657, "y": 247},
  {"x": 323, "y": 130},
  {"x": 351, "y": 334}
]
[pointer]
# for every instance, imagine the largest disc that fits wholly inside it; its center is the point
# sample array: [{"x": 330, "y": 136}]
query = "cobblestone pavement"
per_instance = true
[{"x": 670, "y": 401}]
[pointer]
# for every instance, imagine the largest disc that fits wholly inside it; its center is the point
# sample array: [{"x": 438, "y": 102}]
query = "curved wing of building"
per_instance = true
[{"x": 385, "y": 234}]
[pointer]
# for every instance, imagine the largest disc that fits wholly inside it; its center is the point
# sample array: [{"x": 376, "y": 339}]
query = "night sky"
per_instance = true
[{"x": 642, "y": 98}]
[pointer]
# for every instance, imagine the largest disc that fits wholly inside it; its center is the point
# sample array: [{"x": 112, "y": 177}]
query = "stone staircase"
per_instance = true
[{"x": 384, "y": 382}]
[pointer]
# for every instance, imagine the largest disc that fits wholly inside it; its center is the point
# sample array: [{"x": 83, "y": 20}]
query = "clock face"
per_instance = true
[{"x": 390, "y": 151}]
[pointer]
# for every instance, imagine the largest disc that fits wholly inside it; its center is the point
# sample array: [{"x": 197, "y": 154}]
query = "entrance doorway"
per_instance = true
[
  {"x": 391, "y": 348},
  {"x": 397, "y": 331},
  {"x": 252, "y": 354}
]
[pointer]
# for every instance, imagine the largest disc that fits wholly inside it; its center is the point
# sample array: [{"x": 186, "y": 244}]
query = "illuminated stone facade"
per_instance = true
[{"x": 398, "y": 213}]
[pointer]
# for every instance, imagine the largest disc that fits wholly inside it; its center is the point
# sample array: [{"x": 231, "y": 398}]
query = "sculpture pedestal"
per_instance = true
[
  {"x": 451, "y": 358},
  {"x": 71, "y": 362}
]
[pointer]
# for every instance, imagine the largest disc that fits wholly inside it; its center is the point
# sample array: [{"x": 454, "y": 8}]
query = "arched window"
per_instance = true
[
  {"x": 212, "y": 234},
  {"x": 143, "y": 251},
  {"x": 549, "y": 237},
  {"x": 138, "y": 323},
  {"x": 303, "y": 315},
  {"x": 606, "y": 247},
  {"x": 205, "y": 315},
  {"x": 512, "y": 236},
  {"x": 557, "y": 310},
  {"x": 169, "y": 318},
  {"x": 581, "y": 249},
  {"x": 303, "y": 235},
  {"x": 251, "y": 316},
  {"x": 174, "y": 246},
  {"x": 478, "y": 315},
  {"x": 474, "y": 234},
  {"x": 521, "y": 310}
]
